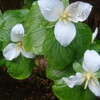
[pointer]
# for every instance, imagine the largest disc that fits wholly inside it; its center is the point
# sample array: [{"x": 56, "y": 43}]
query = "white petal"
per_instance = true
[
  {"x": 94, "y": 87},
  {"x": 91, "y": 61},
  {"x": 10, "y": 52},
  {"x": 51, "y": 9},
  {"x": 17, "y": 33},
  {"x": 64, "y": 33},
  {"x": 74, "y": 80},
  {"x": 28, "y": 54},
  {"x": 79, "y": 11},
  {"x": 94, "y": 34}
]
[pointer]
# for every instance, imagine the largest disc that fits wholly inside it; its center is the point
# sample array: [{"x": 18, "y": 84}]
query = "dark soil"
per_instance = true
[{"x": 33, "y": 88}]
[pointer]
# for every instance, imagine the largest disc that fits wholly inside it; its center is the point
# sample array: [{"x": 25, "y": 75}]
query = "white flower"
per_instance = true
[
  {"x": 13, "y": 50},
  {"x": 53, "y": 10},
  {"x": 91, "y": 65},
  {"x": 94, "y": 34}
]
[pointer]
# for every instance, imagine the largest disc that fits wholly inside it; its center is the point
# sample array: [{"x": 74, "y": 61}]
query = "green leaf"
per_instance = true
[
  {"x": 4, "y": 37},
  {"x": 89, "y": 95},
  {"x": 60, "y": 57},
  {"x": 12, "y": 17},
  {"x": 57, "y": 56},
  {"x": 63, "y": 92},
  {"x": 97, "y": 74},
  {"x": 35, "y": 30},
  {"x": 82, "y": 40},
  {"x": 55, "y": 74},
  {"x": 78, "y": 67},
  {"x": 50, "y": 25},
  {"x": 20, "y": 68},
  {"x": 96, "y": 46}
]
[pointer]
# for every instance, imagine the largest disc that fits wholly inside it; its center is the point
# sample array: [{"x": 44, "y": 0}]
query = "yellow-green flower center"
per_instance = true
[
  {"x": 89, "y": 77},
  {"x": 19, "y": 45},
  {"x": 65, "y": 16}
]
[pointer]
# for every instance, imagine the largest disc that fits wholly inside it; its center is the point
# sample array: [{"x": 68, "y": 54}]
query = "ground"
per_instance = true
[{"x": 33, "y": 88}]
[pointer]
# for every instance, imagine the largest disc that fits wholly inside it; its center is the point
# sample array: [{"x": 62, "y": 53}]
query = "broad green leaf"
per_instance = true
[
  {"x": 35, "y": 30},
  {"x": 12, "y": 17},
  {"x": 20, "y": 68},
  {"x": 4, "y": 37},
  {"x": 63, "y": 92},
  {"x": 77, "y": 67},
  {"x": 82, "y": 40},
  {"x": 58, "y": 56},
  {"x": 96, "y": 46},
  {"x": 97, "y": 74},
  {"x": 54, "y": 74},
  {"x": 89, "y": 95},
  {"x": 50, "y": 25}
]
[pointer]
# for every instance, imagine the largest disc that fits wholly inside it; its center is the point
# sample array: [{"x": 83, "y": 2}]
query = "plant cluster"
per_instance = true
[{"x": 55, "y": 29}]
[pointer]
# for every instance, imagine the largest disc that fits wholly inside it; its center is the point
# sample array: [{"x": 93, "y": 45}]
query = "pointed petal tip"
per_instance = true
[
  {"x": 28, "y": 54},
  {"x": 74, "y": 80},
  {"x": 94, "y": 34},
  {"x": 17, "y": 33},
  {"x": 10, "y": 52}
]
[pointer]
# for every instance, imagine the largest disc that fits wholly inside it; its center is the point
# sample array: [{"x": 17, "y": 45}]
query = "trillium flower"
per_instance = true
[
  {"x": 94, "y": 34},
  {"x": 91, "y": 65},
  {"x": 54, "y": 10},
  {"x": 13, "y": 50}
]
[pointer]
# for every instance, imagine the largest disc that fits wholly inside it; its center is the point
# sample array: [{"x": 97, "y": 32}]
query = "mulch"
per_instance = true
[{"x": 33, "y": 88}]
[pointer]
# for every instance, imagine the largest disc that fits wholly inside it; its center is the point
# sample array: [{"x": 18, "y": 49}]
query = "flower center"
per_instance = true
[
  {"x": 89, "y": 77},
  {"x": 19, "y": 45},
  {"x": 65, "y": 16}
]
